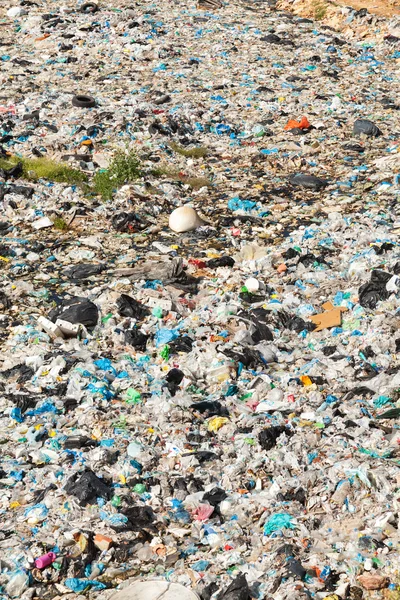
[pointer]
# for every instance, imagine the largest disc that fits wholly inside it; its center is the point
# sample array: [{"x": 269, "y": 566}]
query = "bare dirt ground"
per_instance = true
[
  {"x": 384, "y": 15},
  {"x": 386, "y": 8}
]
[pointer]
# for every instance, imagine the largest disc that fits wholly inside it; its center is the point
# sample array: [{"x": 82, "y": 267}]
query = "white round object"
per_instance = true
[
  {"x": 183, "y": 219},
  {"x": 15, "y": 11},
  {"x": 153, "y": 589},
  {"x": 252, "y": 284}
]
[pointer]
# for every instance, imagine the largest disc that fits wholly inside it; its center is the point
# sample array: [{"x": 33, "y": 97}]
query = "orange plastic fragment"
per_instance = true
[
  {"x": 303, "y": 124},
  {"x": 43, "y": 37},
  {"x": 331, "y": 318}
]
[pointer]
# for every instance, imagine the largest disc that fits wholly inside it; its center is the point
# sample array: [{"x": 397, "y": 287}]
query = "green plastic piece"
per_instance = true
[
  {"x": 165, "y": 353},
  {"x": 132, "y": 396},
  {"x": 139, "y": 488}
]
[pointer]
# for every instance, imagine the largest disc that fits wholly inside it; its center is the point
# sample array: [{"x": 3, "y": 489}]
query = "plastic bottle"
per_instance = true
[{"x": 44, "y": 561}]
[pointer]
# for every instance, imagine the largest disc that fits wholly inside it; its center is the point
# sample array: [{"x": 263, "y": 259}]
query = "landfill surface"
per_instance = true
[{"x": 219, "y": 407}]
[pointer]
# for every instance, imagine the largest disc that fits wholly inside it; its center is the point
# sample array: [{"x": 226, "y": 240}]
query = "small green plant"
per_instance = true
[
  {"x": 44, "y": 168},
  {"x": 319, "y": 9},
  {"x": 124, "y": 168},
  {"x": 60, "y": 224},
  {"x": 198, "y": 152}
]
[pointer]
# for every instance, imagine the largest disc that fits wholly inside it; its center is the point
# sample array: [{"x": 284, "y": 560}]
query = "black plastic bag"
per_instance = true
[
  {"x": 139, "y": 517},
  {"x": 309, "y": 259},
  {"x": 366, "y": 127},
  {"x": 128, "y": 221},
  {"x": 137, "y": 339},
  {"x": 247, "y": 356},
  {"x": 83, "y": 271},
  {"x": 24, "y": 401},
  {"x": 237, "y": 590},
  {"x": 173, "y": 379},
  {"x": 21, "y": 190},
  {"x": 181, "y": 344},
  {"x": 208, "y": 591},
  {"x": 259, "y": 317},
  {"x": 221, "y": 261},
  {"x": 175, "y": 376},
  {"x": 271, "y": 38},
  {"x": 310, "y": 182},
  {"x": 385, "y": 247},
  {"x": 370, "y": 293},
  {"x": 76, "y": 310},
  {"x": 203, "y": 455},
  {"x": 24, "y": 373},
  {"x": 268, "y": 436},
  {"x": 257, "y": 320},
  {"x": 328, "y": 350},
  {"x": 291, "y": 496},
  {"x": 294, "y": 323},
  {"x": 88, "y": 487},
  {"x": 290, "y": 253},
  {"x": 361, "y": 390},
  {"x": 129, "y": 307},
  {"x": 215, "y": 496},
  {"x": 212, "y": 408}
]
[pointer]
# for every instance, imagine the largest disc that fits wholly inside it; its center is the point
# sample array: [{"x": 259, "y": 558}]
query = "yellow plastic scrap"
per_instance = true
[
  {"x": 216, "y": 423},
  {"x": 305, "y": 380}
]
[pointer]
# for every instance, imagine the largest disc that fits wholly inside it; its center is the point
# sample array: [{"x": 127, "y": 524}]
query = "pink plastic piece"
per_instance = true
[
  {"x": 45, "y": 560},
  {"x": 203, "y": 512}
]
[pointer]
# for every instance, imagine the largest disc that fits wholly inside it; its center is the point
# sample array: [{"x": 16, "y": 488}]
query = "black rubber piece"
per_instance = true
[
  {"x": 83, "y": 101},
  {"x": 89, "y": 7}
]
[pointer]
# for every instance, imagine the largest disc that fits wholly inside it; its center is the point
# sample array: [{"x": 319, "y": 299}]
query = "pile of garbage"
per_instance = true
[{"x": 199, "y": 303}]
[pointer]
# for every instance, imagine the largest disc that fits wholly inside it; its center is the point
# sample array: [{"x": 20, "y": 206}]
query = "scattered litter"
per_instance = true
[{"x": 199, "y": 301}]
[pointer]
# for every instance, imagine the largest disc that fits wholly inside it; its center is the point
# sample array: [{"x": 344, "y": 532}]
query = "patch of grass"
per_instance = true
[
  {"x": 124, "y": 168},
  {"x": 319, "y": 9},
  {"x": 44, "y": 168},
  {"x": 198, "y": 152},
  {"x": 60, "y": 224}
]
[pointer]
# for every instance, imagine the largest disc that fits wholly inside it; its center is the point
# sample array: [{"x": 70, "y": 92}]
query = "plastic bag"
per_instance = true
[
  {"x": 268, "y": 436},
  {"x": 366, "y": 127},
  {"x": 237, "y": 590},
  {"x": 370, "y": 293},
  {"x": 136, "y": 338},
  {"x": 221, "y": 261},
  {"x": 76, "y": 310},
  {"x": 83, "y": 271},
  {"x": 212, "y": 408},
  {"x": 310, "y": 182},
  {"x": 88, "y": 487},
  {"x": 129, "y": 307}
]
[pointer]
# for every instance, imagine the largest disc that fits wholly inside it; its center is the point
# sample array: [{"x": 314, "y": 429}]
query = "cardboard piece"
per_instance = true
[{"x": 331, "y": 318}]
